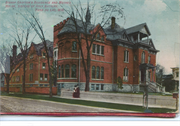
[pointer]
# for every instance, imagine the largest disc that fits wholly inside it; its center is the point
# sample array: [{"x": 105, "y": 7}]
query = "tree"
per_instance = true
[
  {"x": 8, "y": 64},
  {"x": 33, "y": 19},
  {"x": 84, "y": 29},
  {"x": 20, "y": 32},
  {"x": 54, "y": 73},
  {"x": 119, "y": 82},
  {"x": 159, "y": 73},
  {"x": 168, "y": 82}
]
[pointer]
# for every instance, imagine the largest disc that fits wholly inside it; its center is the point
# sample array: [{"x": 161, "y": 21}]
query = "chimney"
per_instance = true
[
  {"x": 112, "y": 22},
  {"x": 14, "y": 51}
]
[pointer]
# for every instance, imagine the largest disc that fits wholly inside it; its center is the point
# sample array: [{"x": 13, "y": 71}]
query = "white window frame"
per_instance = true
[
  {"x": 55, "y": 51},
  {"x": 126, "y": 56},
  {"x": 44, "y": 67},
  {"x": 125, "y": 75},
  {"x": 45, "y": 77}
]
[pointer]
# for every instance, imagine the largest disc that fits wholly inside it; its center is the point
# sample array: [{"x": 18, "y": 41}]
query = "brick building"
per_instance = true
[
  {"x": 36, "y": 66},
  {"x": 175, "y": 72},
  {"x": 116, "y": 52}
]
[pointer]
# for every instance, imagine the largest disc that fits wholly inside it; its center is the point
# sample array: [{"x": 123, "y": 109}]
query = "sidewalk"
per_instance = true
[{"x": 155, "y": 101}]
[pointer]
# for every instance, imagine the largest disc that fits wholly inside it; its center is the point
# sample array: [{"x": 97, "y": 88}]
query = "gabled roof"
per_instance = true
[
  {"x": 137, "y": 28},
  {"x": 148, "y": 42},
  {"x": 70, "y": 27},
  {"x": 38, "y": 47}
]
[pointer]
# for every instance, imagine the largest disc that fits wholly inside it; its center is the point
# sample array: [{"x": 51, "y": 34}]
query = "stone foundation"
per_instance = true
[{"x": 101, "y": 87}]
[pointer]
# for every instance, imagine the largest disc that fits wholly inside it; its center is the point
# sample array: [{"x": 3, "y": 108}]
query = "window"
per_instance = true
[
  {"x": 30, "y": 85},
  {"x": 31, "y": 56},
  {"x": 46, "y": 77},
  {"x": 62, "y": 71},
  {"x": 73, "y": 72},
  {"x": 97, "y": 86},
  {"x": 143, "y": 57},
  {"x": 102, "y": 50},
  {"x": 74, "y": 46},
  {"x": 126, "y": 56},
  {"x": 102, "y": 86},
  {"x": 66, "y": 70},
  {"x": 102, "y": 38},
  {"x": 31, "y": 66},
  {"x": 92, "y": 87},
  {"x": 44, "y": 54},
  {"x": 98, "y": 36},
  {"x": 177, "y": 74},
  {"x": 94, "y": 48},
  {"x": 46, "y": 85},
  {"x": 55, "y": 54},
  {"x": 149, "y": 59},
  {"x": 31, "y": 77},
  {"x": 17, "y": 78},
  {"x": 125, "y": 77},
  {"x": 41, "y": 76},
  {"x": 93, "y": 71},
  {"x": 102, "y": 72},
  {"x": 44, "y": 65},
  {"x": 41, "y": 85},
  {"x": 59, "y": 71},
  {"x": 98, "y": 49},
  {"x": 62, "y": 85},
  {"x": 97, "y": 72}
]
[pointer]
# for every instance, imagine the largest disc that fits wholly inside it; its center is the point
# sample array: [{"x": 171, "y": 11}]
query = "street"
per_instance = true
[{"x": 14, "y": 104}]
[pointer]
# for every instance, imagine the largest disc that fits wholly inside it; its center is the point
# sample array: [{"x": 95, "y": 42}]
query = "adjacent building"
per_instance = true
[
  {"x": 116, "y": 52},
  {"x": 36, "y": 66},
  {"x": 175, "y": 72}
]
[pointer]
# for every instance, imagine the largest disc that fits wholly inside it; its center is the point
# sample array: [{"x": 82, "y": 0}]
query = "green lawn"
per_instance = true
[{"x": 92, "y": 103}]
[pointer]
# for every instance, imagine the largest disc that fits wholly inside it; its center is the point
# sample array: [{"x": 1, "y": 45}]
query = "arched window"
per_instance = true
[
  {"x": 73, "y": 70},
  {"x": 143, "y": 57},
  {"x": 67, "y": 70},
  {"x": 62, "y": 71},
  {"x": 98, "y": 36},
  {"x": 102, "y": 72},
  {"x": 97, "y": 72},
  {"x": 93, "y": 71},
  {"x": 126, "y": 56},
  {"x": 74, "y": 46},
  {"x": 59, "y": 71}
]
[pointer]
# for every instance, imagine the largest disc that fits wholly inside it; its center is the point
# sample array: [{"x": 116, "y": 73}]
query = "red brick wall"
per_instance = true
[
  {"x": 34, "y": 90},
  {"x": 11, "y": 89}
]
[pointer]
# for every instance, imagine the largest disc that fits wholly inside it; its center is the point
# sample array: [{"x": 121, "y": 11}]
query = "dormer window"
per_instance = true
[
  {"x": 102, "y": 38},
  {"x": 31, "y": 56},
  {"x": 44, "y": 54}
]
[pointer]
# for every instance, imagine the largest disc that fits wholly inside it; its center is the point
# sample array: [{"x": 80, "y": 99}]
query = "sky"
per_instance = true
[{"x": 161, "y": 17}]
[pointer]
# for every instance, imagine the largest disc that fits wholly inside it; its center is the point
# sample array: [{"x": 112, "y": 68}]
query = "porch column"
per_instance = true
[
  {"x": 138, "y": 37},
  {"x": 146, "y": 75}
]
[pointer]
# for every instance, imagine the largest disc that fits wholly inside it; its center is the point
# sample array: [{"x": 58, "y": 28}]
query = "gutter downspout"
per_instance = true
[{"x": 79, "y": 66}]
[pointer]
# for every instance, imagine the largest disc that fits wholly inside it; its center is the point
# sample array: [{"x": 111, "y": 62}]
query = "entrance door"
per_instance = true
[
  {"x": 149, "y": 75},
  {"x": 142, "y": 76}
]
